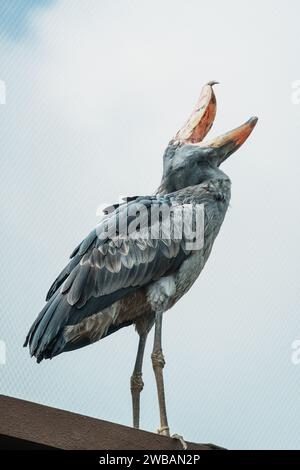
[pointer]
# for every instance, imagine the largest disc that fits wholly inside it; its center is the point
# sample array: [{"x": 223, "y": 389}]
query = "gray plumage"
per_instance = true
[{"x": 103, "y": 271}]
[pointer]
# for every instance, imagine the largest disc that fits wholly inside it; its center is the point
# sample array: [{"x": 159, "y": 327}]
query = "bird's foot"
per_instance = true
[
  {"x": 164, "y": 431},
  {"x": 181, "y": 440}
]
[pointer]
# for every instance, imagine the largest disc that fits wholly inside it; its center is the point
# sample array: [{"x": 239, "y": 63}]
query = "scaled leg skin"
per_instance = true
[
  {"x": 158, "y": 363},
  {"x": 136, "y": 381}
]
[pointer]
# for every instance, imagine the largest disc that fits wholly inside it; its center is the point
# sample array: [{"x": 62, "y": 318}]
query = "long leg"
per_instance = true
[
  {"x": 136, "y": 381},
  {"x": 158, "y": 363}
]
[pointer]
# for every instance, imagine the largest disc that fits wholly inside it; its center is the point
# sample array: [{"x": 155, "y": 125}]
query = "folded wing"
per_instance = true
[{"x": 104, "y": 268}]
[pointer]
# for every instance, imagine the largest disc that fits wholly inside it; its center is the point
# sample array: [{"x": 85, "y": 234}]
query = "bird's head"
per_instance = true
[{"x": 188, "y": 160}]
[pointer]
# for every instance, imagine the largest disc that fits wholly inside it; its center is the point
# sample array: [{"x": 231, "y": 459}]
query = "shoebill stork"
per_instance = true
[{"x": 114, "y": 280}]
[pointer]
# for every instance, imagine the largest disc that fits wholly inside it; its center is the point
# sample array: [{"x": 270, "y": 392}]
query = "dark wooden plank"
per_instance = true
[{"x": 39, "y": 425}]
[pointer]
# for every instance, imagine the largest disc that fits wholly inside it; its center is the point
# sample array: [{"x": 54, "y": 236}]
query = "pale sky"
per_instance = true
[{"x": 94, "y": 91}]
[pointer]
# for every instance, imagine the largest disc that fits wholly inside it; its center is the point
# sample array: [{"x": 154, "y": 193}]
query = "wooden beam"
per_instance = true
[{"x": 28, "y": 425}]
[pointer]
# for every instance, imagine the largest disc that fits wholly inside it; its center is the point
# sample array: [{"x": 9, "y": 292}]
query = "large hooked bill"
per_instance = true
[{"x": 201, "y": 121}]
